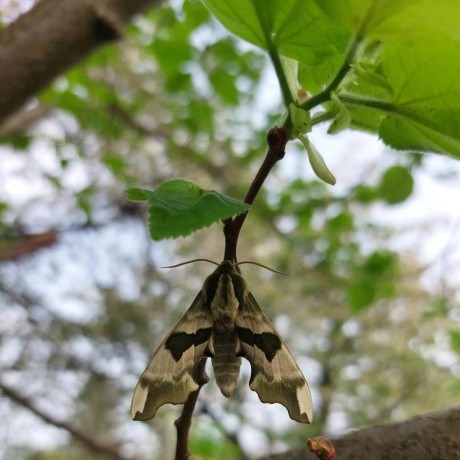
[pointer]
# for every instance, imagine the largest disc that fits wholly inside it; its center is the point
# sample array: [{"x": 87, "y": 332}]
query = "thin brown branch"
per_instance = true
[
  {"x": 277, "y": 139},
  {"x": 25, "y": 245},
  {"x": 85, "y": 439},
  {"x": 22, "y": 120},
  {"x": 184, "y": 422},
  {"x": 130, "y": 122}
]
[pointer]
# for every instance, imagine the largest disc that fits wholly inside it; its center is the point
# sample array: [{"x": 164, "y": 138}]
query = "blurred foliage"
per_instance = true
[{"x": 178, "y": 97}]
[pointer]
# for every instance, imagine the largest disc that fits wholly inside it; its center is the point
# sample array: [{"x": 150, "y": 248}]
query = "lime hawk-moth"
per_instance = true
[{"x": 223, "y": 323}]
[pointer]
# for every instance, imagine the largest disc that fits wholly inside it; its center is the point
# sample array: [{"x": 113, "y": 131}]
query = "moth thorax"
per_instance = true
[{"x": 224, "y": 304}]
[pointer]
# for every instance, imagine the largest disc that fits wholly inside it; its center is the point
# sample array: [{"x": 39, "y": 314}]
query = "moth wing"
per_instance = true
[
  {"x": 171, "y": 375},
  {"x": 275, "y": 375}
]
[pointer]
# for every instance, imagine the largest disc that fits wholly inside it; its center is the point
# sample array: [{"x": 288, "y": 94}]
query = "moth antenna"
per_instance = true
[
  {"x": 191, "y": 262},
  {"x": 261, "y": 265}
]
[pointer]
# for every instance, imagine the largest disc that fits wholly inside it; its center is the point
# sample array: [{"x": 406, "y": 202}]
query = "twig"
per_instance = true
[
  {"x": 25, "y": 245},
  {"x": 277, "y": 139},
  {"x": 184, "y": 422},
  {"x": 89, "y": 442},
  {"x": 20, "y": 121},
  {"x": 124, "y": 117}
]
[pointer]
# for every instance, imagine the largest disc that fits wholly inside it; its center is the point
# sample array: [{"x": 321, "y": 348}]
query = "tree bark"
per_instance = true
[
  {"x": 434, "y": 436},
  {"x": 52, "y": 37}
]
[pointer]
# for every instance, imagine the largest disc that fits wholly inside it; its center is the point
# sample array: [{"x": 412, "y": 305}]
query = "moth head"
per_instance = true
[{"x": 224, "y": 287}]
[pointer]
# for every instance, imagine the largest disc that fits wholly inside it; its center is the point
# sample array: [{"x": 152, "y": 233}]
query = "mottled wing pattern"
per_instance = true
[
  {"x": 275, "y": 375},
  {"x": 170, "y": 376}
]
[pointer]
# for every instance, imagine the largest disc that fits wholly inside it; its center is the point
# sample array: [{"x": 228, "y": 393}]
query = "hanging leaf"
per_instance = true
[
  {"x": 317, "y": 162},
  {"x": 179, "y": 207}
]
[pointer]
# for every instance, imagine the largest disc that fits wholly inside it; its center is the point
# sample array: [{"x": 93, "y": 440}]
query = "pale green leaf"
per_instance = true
[
  {"x": 402, "y": 74},
  {"x": 342, "y": 118},
  {"x": 297, "y": 28},
  {"x": 179, "y": 207},
  {"x": 290, "y": 68},
  {"x": 406, "y": 67},
  {"x": 300, "y": 119},
  {"x": 317, "y": 161}
]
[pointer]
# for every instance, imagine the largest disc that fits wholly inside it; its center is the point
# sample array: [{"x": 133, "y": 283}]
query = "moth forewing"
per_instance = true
[
  {"x": 275, "y": 375},
  {"x": 171, "y": 375}
]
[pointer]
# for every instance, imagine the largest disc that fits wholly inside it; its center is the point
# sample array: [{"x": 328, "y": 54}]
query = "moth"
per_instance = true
[{"x": 223, "y": 323}]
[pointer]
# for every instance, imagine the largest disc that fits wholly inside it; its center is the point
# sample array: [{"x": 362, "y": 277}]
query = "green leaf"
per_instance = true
[
  {"x": 301, "y": 120},
  {"x": 342, "y": 222},
  {"x": 54, "y": 180},
  {"x": 414, "y": 62},
  {"x": 402, "y": 80},
  {"x": 297, "y": 28},
  {"x": 412, "y": 135},
  {"x": 396, "y": 185},
  {"x": 369, "y": 73},
  {"x": 317, "y": 162},
  {"x": 394, "y": 63},
  {"x": 290, "y": 69},
  {"x": 138, "y": 194},
  {"x": 342, "y": 118},
  {"x": 116, "y": 163},
  {"x": 224, "y": 85},
  {"x": 18, "y": 141},
  {"x": 379, "y": 262},
  {"x": 4, "y": 206},
  {"x": 84, "y": 200},
  {"x": 455, "y": 341},
  {"x": 364, "y": 193},
  {"x": 360, "y": 294},
  {"x": 179, "y": 207},
  {"x": 205, "y": 446}
]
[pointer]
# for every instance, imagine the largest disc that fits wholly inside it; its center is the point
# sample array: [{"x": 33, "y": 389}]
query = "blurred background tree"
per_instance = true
[{"x": 84, "y": 302}]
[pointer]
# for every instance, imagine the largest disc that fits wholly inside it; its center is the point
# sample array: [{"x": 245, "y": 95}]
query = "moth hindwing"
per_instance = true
[{"x": 225, "y": 323}]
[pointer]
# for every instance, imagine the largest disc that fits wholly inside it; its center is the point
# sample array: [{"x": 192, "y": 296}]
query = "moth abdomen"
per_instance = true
[{"x": 225, "y": 363}]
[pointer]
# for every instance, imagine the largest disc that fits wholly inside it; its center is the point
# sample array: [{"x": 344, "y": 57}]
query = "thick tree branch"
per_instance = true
[
  {"x": 89, "y": 442},
  {"x": 52, "y": 37},
  {"x": 434, "y": 436}
]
